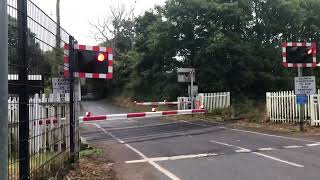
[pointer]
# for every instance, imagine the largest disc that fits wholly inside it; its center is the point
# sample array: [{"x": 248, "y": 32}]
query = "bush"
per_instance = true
[{"x": 225, "y": 113}]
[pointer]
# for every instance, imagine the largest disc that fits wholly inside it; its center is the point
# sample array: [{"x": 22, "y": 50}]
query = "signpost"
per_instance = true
[
  {"x": 195, "y": 90},
  {"x": 300, "y": 55},
  {"x": 60, "y": 86},
  {"x": 305, "y": 85},
  {"x": 187, "y": 75}
]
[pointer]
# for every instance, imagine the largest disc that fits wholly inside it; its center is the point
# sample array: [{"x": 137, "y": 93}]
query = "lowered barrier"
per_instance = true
[{"x": 90, "y": 118}]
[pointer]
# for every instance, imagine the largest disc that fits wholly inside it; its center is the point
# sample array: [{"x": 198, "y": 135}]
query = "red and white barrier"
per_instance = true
[
  {"x": 159, "y": 103},
  {"x": 140, "y": 115}
]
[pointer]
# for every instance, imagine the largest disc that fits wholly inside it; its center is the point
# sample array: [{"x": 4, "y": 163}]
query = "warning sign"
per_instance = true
[
  {"x": 60, "y": 86},
  {"x": 305, "y": 85}
]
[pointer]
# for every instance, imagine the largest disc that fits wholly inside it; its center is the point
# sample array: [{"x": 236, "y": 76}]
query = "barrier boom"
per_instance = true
[{"x": 140, "y": 115}]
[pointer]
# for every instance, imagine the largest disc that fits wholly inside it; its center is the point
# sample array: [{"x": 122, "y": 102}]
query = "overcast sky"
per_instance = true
[{"x": 76, "y": 15}]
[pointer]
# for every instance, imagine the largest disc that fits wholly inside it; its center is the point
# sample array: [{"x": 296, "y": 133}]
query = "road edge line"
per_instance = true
[
  {"x": 154, "y": 164},
  {"x": 241, "y": 149}
]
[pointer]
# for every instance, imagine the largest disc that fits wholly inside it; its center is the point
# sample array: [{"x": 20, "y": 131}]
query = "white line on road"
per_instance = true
[
  {"x": 277, "y": 159},
  {"x": 173, "y": 157},
  {"x": 243, "y": 150},
  {"x": 259, "y": 154},
  {"x": 271, "y": 135},
  {"x": 155, "y": 165},
  {"x": 264, "y": 134},
  {"x": 292, "y": 147},
  {"x": 314, "y": 144},
  {"x": 101, "y": 108},
  {"x": 265, "y": 149}
]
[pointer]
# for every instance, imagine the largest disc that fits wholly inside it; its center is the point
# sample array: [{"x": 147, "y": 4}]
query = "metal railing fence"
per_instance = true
[{"x": 37, "y": 151}]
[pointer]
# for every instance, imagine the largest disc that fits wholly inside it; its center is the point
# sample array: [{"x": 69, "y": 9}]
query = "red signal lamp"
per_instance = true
[
  {"x": 309, "y": 51},
  {"x": 101, "y": 57}
]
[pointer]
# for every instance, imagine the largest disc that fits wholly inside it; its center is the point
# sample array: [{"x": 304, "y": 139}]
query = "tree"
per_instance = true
[
  {"x": 116, "y": 29},
  {"x": 233, "y": 45}
]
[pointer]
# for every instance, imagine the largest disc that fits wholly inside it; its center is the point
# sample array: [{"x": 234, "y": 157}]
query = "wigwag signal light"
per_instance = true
[{"x": 101, "y": 57}]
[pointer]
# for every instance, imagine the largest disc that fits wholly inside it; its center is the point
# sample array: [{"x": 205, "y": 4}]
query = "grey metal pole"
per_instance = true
[
  {"x": 3, "y": 90},
  {"x": 301, "y": 112},
  {"x": 191, "y": 89}
]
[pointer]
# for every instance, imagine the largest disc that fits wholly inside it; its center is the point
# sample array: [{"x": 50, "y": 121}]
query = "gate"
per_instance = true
[{"x": 43, "y": 129}]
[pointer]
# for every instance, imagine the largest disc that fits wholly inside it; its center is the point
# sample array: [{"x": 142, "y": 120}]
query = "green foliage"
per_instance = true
[
  {"x": 90, "y": 151},
  {"x": 224, "y": 113},
  {"x": 250, "y": 110},
  {"x": 234, "y": 46}
]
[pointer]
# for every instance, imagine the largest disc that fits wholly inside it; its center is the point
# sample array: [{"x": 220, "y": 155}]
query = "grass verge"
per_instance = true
[{"x": 93, "y": 164}]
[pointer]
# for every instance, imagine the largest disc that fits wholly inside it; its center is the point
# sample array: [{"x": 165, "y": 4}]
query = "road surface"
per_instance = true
[{"x": 156, "y": 148}]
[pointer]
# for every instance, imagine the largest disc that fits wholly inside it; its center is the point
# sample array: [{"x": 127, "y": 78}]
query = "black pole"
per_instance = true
[
  {"x": 71, "y": 107},
  {"x": 24, "y": 156}
]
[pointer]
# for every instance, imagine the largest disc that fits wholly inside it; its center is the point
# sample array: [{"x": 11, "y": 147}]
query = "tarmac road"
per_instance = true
[{"x": 157, "y": 148}]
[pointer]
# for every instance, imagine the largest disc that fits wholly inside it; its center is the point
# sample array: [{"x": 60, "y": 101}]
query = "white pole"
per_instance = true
[
  {"x": 191, "y": 88},
  {"x": 3, "y": 90}
]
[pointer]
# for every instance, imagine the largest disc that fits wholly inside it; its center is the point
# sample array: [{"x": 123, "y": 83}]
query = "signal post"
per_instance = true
[
  {"x": 82, "y": 61},
  {"x": 301, "y": 55}
]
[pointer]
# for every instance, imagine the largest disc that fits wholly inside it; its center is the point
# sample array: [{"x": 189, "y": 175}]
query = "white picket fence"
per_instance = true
[
  {"x": 282, "y": 107},
  {"x": 182, "y": 103},
  {"x": 214, "y": 100},
  {"x": 48, "y": 125},
  {"x": 207, "y": 101}
]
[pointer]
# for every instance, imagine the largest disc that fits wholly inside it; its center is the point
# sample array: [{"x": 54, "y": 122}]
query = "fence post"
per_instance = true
[
  {"x": 4, "y": 90},
  {"x": 24, "y": 156},
  {"x": 71, "y": 102}
]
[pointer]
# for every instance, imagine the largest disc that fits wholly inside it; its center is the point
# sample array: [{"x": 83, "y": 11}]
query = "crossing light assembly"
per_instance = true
[
  {"x": 302, "y": 54},
  {"x": 299, "y": 54},
  {"x": 89, "y": 62}
]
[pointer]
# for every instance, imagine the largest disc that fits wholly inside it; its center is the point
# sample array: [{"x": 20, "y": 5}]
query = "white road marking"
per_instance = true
[
  {"x": 265, "y": 149},
  {"x": 174, "y": 157},
  {"x": 271, "y": 135},
  {"x": 292, "y": 147},
  {"x": 243, "y": 150},
  {"x": 101, "y": 108},
  {"x": 155, "y": 165},
  {"x": 280, "y": 160},
  {"x": 264, "y": 134},
  {"x": 312, "y": 145},
  {"x": 259, "y": 154},
  {"x": 225, "y": 144}
]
